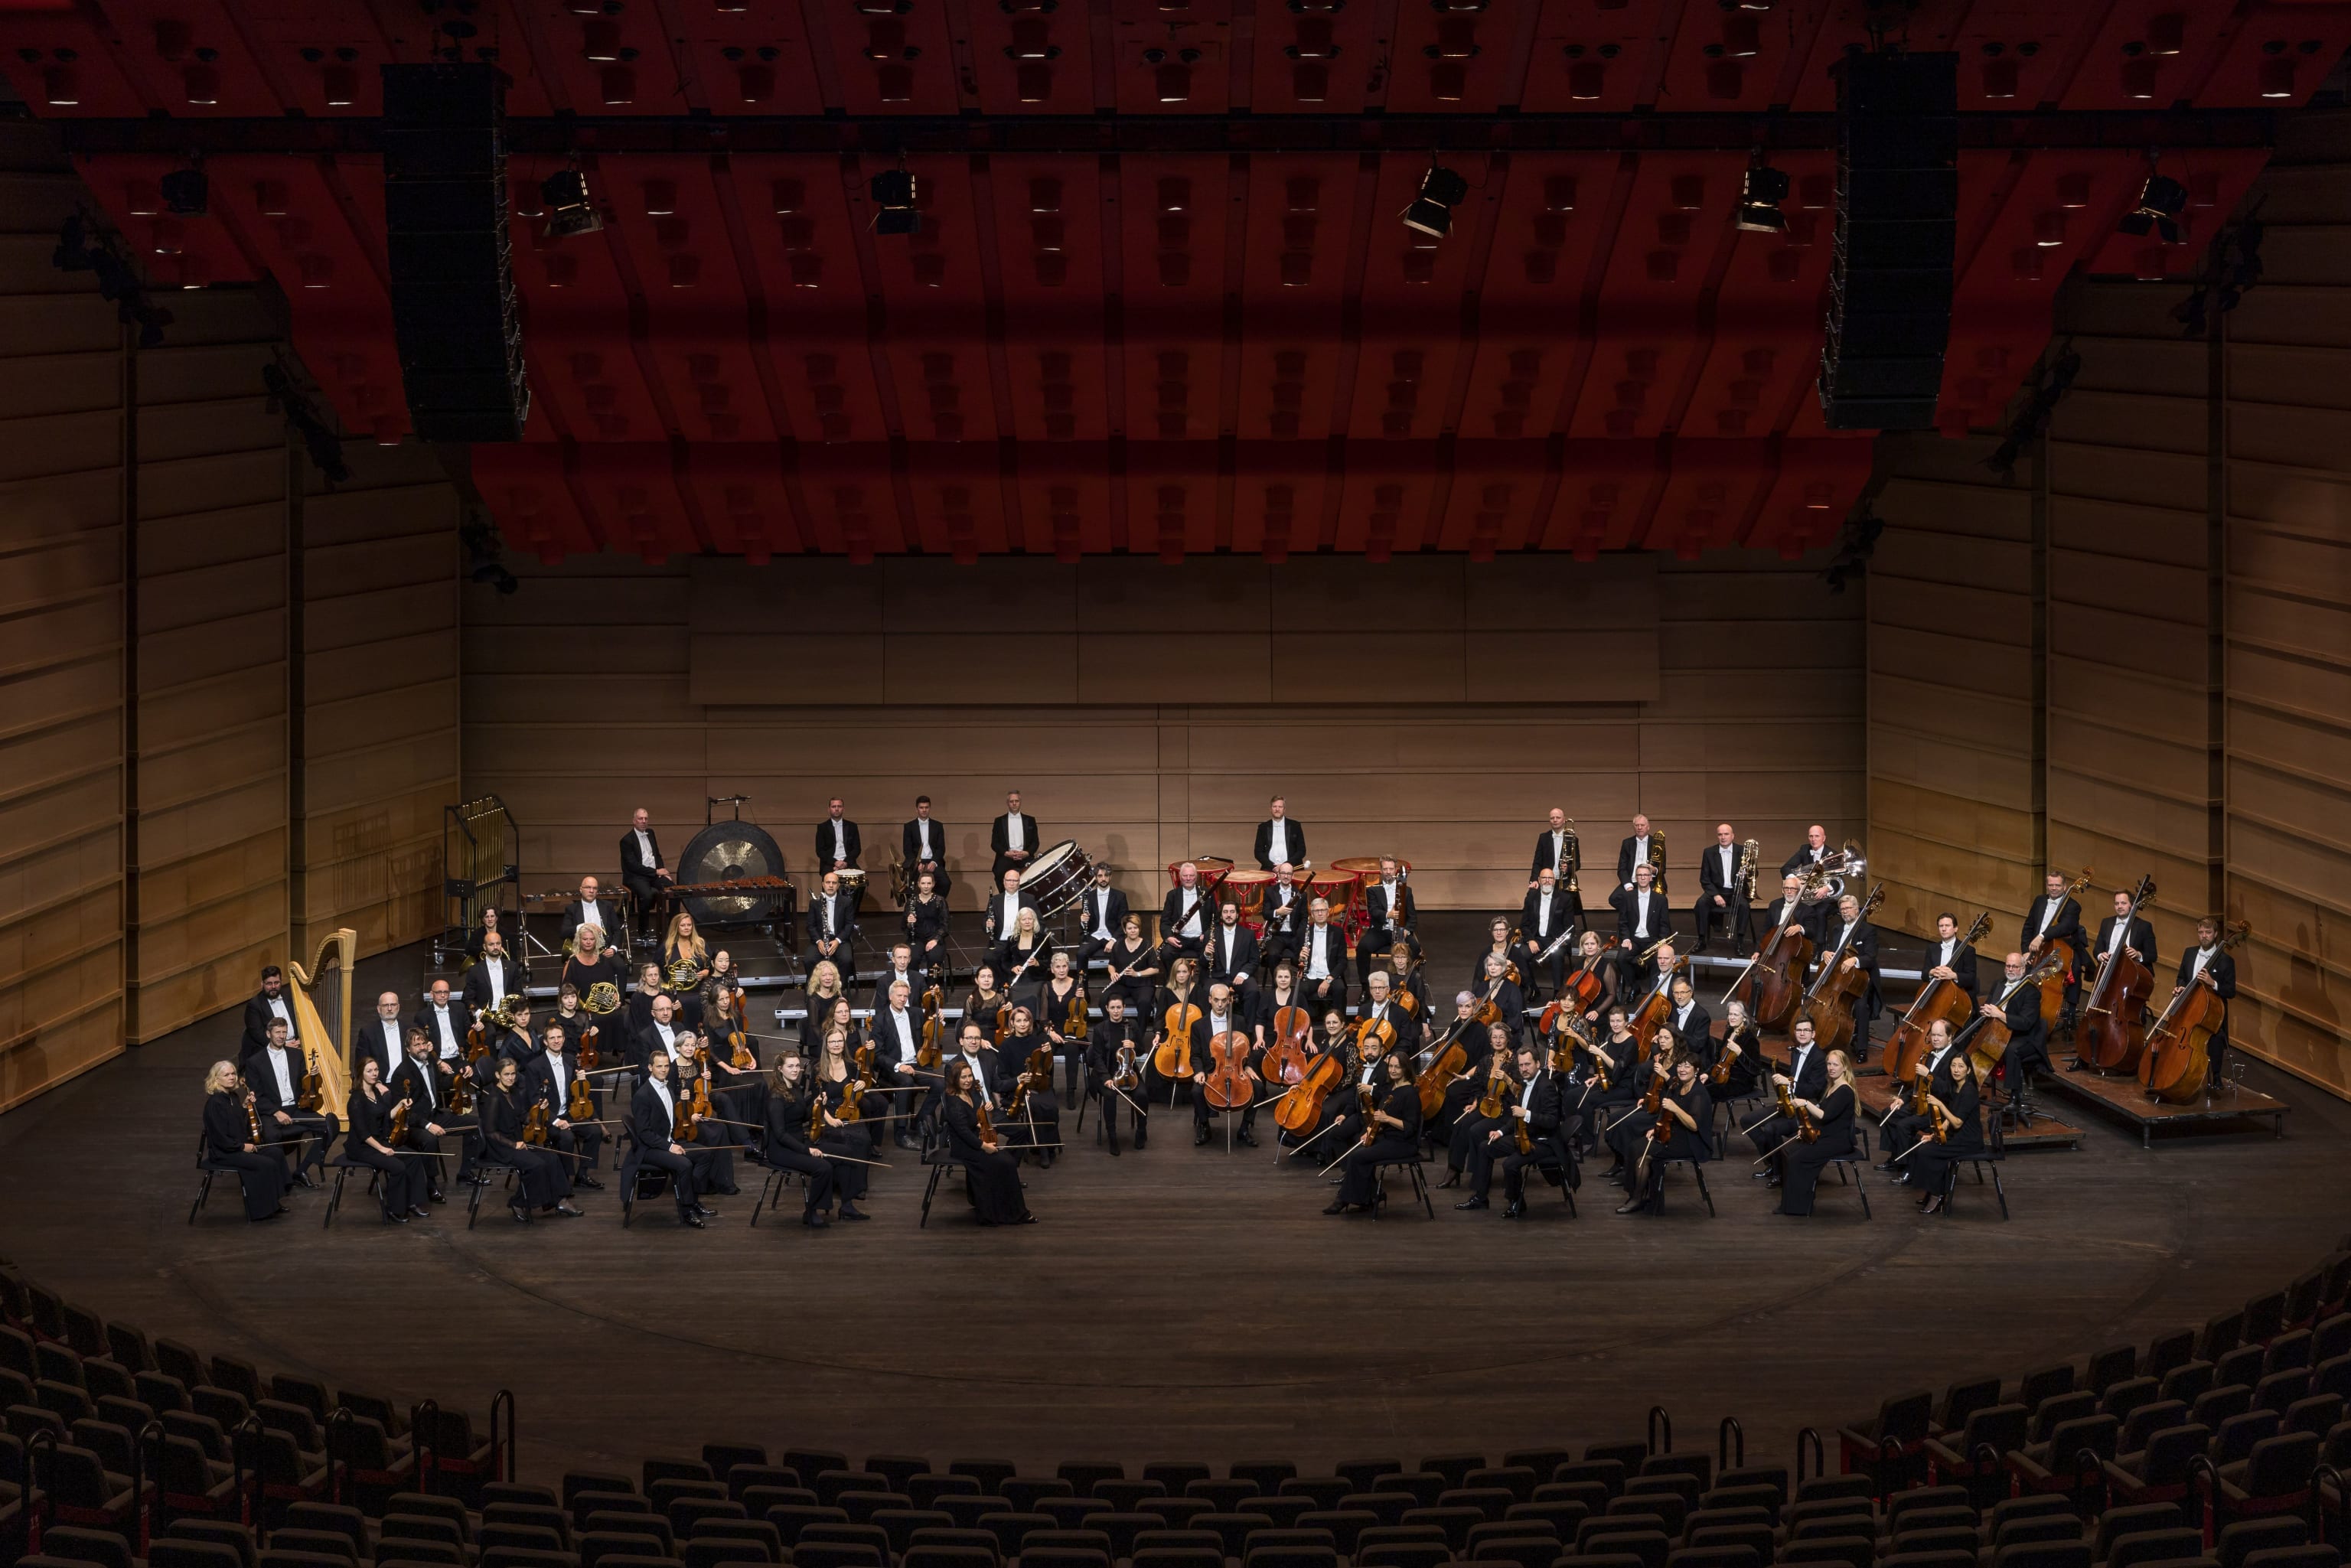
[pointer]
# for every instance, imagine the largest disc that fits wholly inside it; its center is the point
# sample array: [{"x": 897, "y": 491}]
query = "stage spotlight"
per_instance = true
[
  {"x": 1760, "y": 195},
  {"x": 2160, "y": 202},
  {"x": 568, "y": 210},
  {"x": 1431, "y": 212},
  {"x": 184, "y": 192},
  {"x": 894, "y": 191}
]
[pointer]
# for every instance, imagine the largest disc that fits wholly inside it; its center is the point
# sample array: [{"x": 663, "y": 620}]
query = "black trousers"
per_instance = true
[
  {"x": 401, "y": 1184},
  {"x": 1553, "y": 968},
  {"x": 1731, "y": 916},
  {"x": 543, "y": 1181},
  {"x": 817, "y": 1169},
  {"x": 1469, "y": 1132},
  {"x": 1359, "y": 1181},
  {"x": 262, "y": 1178},
  {"x": 1203, "y": 1114},
  {"x": 647, "y": 892},
  {"x": 843, "y": 958},
  {"x": 582, "y": 1147},
  {"x": 1325, "y": 994},
  {"x": 1902, "y": 1130},
  {"x": 1372, "y": 951},
  {"x": 684, "y": 1171},
  {"x": 309, "y": 1125},
  {"x": 1546, "y": 1155},
  {"x": 1110, "y": 1101},
  {"x": 850, "y": 1144}
]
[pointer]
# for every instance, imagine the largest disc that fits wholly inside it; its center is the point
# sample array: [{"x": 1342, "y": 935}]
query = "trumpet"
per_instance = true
[{"x": 1749, "y": 853}]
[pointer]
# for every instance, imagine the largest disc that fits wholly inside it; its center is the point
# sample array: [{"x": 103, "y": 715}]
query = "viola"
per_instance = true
[
  {"x": 589, "y": 1058},
  {"x": 1734, "y": 1046},
  {"x": 692, "y": 1108},
  {"x": 1300, "y": 1111},
  {"x": 987, "y": 1132},
  {"x": 1938, "y": 1001},
  {"x": 1286, "y": 1058},
  {"x": 252, "y": 1116},
  {"x": 1174, "y": 1056},
  {"x": 1499, "y": 1088},
  {"x": 2114, "y": 1018},
  {"x": 2177, "y": 1056},
  {"x": 1038, "y": 1073},
  {"x": 1829, "y": 1001},
  {"x": 396, "y": 1131},
  {"x": 1805, "y": 1127},
  {"x": 1448, "y": 1061},
  {"x": 730, "y": 1017},
  {"x": 1653, "y": 1104},
  {"x": 926, "y": 1055},
  {"x": 1073, "y": 1022},
  {"x": 1229, "y": 1086}
]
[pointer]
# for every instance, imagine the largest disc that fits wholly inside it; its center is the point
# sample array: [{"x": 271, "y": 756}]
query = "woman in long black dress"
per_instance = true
[
  {"x": 985, "y": 1001},
  {"x": 1033, "y": 1119},
  {"x": 1391, "y": 1132},
  {"x": 1833, "y": 1114},
  {"x": 836, "y": 1082},
  {"x": 1020, "y": 954},
  {"x": 503, "y": 1110},
  {"x": 1133, "y": 969},
  {"x": 791, "y": 1102},
  {"x": 835, "y": 1015},
  {"x": 1689, "y": 1109},
  {"x": 229, "y": 1140},
  {"x": 1592, "y": 959},
  {"x": 1063, "y": 992},
  {"x": 1933, "y": 1163},
  {"x": 926, "y": 925},
  {"x": 990, "y": 1176},
  {"x": 401, "y": 1178},
  {"x": 1742, "y": 1048}
]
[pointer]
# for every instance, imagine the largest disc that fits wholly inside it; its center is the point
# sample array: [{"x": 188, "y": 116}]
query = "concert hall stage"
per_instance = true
[{"x": 1180, "y": 1303}]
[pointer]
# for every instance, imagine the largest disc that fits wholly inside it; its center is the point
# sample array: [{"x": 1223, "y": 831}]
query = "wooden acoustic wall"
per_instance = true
[
  {"x": 2170, "y": 571},
  {"x": 1431, "y": 707},
  {"x": 263, "y": 753}
]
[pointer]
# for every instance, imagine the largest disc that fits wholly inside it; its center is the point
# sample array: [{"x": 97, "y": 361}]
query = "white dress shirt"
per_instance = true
[
  {"x": 923, "y": 840},
  {"x": 1015, "y": 834},
  {"x": 840, "y": 837},
  {"x": 1277, "y": 844},
  {"x": 2196, "y": 960},
  {"x": 1191, "y": 925},
  {"x": 903, "y": 1036},
  {"x": 1542, "y": 912},
  {"x": 1317, "y": 954},
  {"x": 1102, "y": 932},
  {"x": 1729, "y": 853},
  {"x": 1947, "y": 949},
  {"x": 1641, "y": 912},
  {"x": 497, "y": 969},
  {"x": 445, "y": 1027},
  {"x": 646, "y": 847},
  {"x": 395, "y": 1044},
  {"x": 1640, "y": 852},
  {"x": 278, "y": 1058},
  {"x": 555, "y": 1067},
  {"x": 2121, "y": 935},
  {"x": 2048, "y": 915},
  {"x": 1009, "y": 920},
  {"x": 668, "y": 1104},
  {"x": 979, "y": 1081},
  {"x": 277, "y": 1009}
]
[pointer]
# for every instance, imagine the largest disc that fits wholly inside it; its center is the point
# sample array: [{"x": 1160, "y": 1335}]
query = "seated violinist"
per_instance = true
[
  {"x": 1032, "y": 1117},
  {"x": 897, "y": 1040},
  {"x": 1487, "y": 1044},
  {"x": 659, "y": 1126},
  {"x": 1738, "y": 1056},
  {"x": 1902, "y": 1128},
  {"x": 1536, "y": 1109},
  {"x": 1603, "y": 1079},
  {"x": 547, "y": 1079},
  {"x": 1495, "y": 1081},
  {"x": 791, "y": 1107},
  {"x": 1807, "y": 1078},
  {"x": 1113, "y": 1073},
  {"x": 274, "y": 1074},
  {"x": 1497, "y": 987},
  {"x": 1686, "y": 1115},
  {"x": 1379, "y": 1004},
  {"x": 1342, "y": 1124}
]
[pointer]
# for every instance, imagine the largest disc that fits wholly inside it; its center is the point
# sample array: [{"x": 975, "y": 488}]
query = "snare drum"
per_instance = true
[
  {"x": 852, "y": 882},
  {"x": 1247, "y": 889},
  {"x": 1057, "y": 878}
]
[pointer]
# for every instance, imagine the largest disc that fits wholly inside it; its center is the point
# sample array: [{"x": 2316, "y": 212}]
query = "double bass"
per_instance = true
[
  {"x": 1829, "y": 1001},
  {"x": 1938, "y": 1001},
  {"x": 2113, "y": 1030},
  {"x": 1986, "y": 1037},
  {"x": 2177, "y": 1058},
  {"x": 1773, "y": 984}
]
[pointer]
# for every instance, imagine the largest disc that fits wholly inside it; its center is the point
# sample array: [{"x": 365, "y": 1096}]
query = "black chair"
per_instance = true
[
  {"x": 941, "y": 1159},
  {"x": 484, "y": 1168},
  {"x": 1412, "y": 1166}
]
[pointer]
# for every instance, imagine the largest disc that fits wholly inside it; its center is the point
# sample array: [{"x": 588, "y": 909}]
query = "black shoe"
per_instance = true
[
  {"x": 687, "y": 1217},
  {"x": 1336, "y": 1208},
  {"x": 1200, "y": 1137},
  {"x": 701, "y": 1212},
  {"x": 1933, "y": 1204},
  {"x": 850, "y": 1214},
  {"x": 420, "y": 1214},
  {"x": 584, "y": 1179},
  {"x": 1452, "y": 1178},
  {"x": 1246, "y": 1138},
  {"x": 1631, "y": 1206},
  {"x": 814, "y": 1219},
  {"x": 299, "y": 1179},
  {"x": 569, "y": 1212},
  {"x": 522, "y": 1215},
  {"x": 392, "y": 1218},
  {"x": 1515, "y": 1210},
  {"x": 727, "y": 1191},
  {"x": 434, "y": 1194},
  {"x": 903, "y": 1141},
  {"x": 1140, "y": 1142},
  {"x": 1774, "y": 1179},
  {"x": 1473, "y": 1201}
]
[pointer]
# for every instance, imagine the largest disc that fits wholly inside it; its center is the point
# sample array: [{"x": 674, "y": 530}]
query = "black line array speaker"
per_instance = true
[
  {"x": 453, "y": 293},
  {"x": 1897, "y": 205}
]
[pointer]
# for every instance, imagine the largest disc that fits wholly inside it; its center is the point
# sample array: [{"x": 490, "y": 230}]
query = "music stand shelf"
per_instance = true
[{"x": 2119, "y": 1095}]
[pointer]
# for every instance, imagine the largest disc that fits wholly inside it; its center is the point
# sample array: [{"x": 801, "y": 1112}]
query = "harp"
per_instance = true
[{"x": 321, "y": 999}]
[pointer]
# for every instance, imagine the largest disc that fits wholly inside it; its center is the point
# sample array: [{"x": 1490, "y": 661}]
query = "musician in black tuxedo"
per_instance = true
[
  {"x": 1815, "y": 850},
  {"x": 275, "y": 1075},
  {"x": 1722, "y": 893},
  {"x": 595, "y": 907},
  {"x": 1811, "y": 915},
  {"x": 1807, "y": 1078},
  {"x": 2209, "y": 959},
  {"x": 1860, "y": 953},
  {"x": 425, "y": 1084},
  {"x": 497, "y": 975},
  {"x": 832, "y": 928},
  {"x": 1278, "y": 839},
  {"x": 1557, "y": 851},
  {"x": 548, "y": 1074},
  {"x": 642, "y": 871},
  {"x": 1901, "y": 1127},
  {"x": 1948, "y": 957},
  {"x": 1543, "y": 919},
  {"x": 383, "y": 1037},
  {"x": 2127, "y": 930},
  {"x": 2028, "y": 1036},
  {"x": 1231, "y": 957},
  {"x": 1634, "y": 852},
  {"x": 1537, "y": 1105},
  {"x": 1186, "y": 913},
  {"x": 1013, "y": 838},
  {"x": 2053, "y": 916},
  {"x": 484, "y": 929},
  {"x": 1285, "y": 916},
  {"x": 653, "y": 1121},
  {"x": 1102, "y": 913},
  {"x": 922, "y": 846},
  {"x": 1389, "y": 895},
  {"x": 838, "y": 844},
  {"x": 1641, "y": 917},
  {"x": 1322, "y": 960},
  {"x": 1002, "y": 918},
  {"x": 270, "y": 1002},
  {"x": 1692, "y": 1025}
]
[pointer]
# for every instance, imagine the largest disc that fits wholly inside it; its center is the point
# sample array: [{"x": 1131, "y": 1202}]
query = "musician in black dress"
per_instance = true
[
  {"x": 1342, "y": 1111},
  {"x": 985, "y": 1004},
  {"x": 1134, "y": 968},
  {"x": 592, "y": 962},
  {"x": 1933, "y": 1163},
  {"x": 541, "y": 1185},
  {"x": 1062, "y": 1019},
  {"x": 1603, "y": 1081},
  {"x": 844, "y": 1092},
  {"x": 400, "y": 1177},
  {"x": 1833, "y": 1116},
  {"x": 1628, "y": 1134},
  {"x": 991, "y": 1176},
  {"x": 791, "y": 1102},
  {"x": 926, "y": 925},
  {"x": 229, "y": 1141},
  {"x": 1021, "y": 953},
  {"x": 1741, "y": 1046},
  {"x": 1496, "y": 985},
  {"x": 1032, "y": 1121},
  {"x": 1114, "y": 1072},
  {"x": 1690, "y": 1111},
  {"x": 1391, "y": 1132}
]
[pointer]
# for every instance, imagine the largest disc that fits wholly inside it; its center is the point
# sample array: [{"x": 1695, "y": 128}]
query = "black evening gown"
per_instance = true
[
  {"x": 1806, "y": 1161},
  {"x": 1360, "y": 1183},
  {"x": 402, "y": 1180},
  {"x": 262, "y": 1175},
  {"x": 992, "y": 1179},
  {"x": 787, "y": 1147},
  {"x": 1932, "y": 1166}
]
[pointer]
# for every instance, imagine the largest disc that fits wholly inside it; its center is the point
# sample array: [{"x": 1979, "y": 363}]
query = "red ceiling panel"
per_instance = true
[
  {"x": 528, "y": 489},
  {"x": 751, "y": 60},
  {"x": 178, "y": 251},
  {"x": 1065, "y": 507},
  {"x": 803, "y": 242},
  {"x": 577, "y": 344},
  {"x": 64, "y": 67},
  {"x": 2147, "y": 53},
  {"x": 1606, "y": 488},
  {"x": 851, "y": 501},
  {"x": 936, "y": 293},
  {"x": 1730, "y": 57},
  {"x": 1296, "y": 250},
  {"x": 613, "y": 60},
  {"x": 1049, "y": 236},
  {"x": 1490, "y": 504},
  {"x": 1452, "y": 59},
  {"x": 1817, "y": 483},
  {"x": 1597, "y": 59},
  {"x": 743, "y": 498},
  {"x": 630, "y": 492},
  {"x": 2278, "y": 54},
  {"x": 1032, "y": 57},
  {"x": 1766, "y": 313},
  {"x": 2016, "y": 54},
  {"x": 670, "y": 229},
  {"x": 1172, "y": 59},
  {"x": 886, "y": 59},
  {"x": 1318, "y": 61},
  {"x": 1675, "y": 223},
  {"x": 196, "y": 58},
  {"x": 1171, "y": 499},
  {"x": 1546, "y": 228},
  {"x": 958, "y": 501},
  {"x": 1712, "y": 487},
  {"x": 1276, "y": 501},
  {"x": 1385, "y": 496}
]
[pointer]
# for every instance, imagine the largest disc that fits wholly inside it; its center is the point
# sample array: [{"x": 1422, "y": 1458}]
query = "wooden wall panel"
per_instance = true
[
  {"x": 61, "y": 775},
  {"x": 1436, "y": 709}
]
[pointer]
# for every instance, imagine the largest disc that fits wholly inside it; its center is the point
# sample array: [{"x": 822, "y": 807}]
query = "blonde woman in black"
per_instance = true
[
  {"x": 791, "y": 1105},
  {"x": 836, "y": 1085}
]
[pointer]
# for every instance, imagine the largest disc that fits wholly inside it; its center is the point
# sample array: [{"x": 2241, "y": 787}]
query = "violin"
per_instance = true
[
  {"x": 252, "y": 1117},
  {"x": 313, "y": 1096},
  {"x": 987, "y": 1132},
  {"x": 1939, "y": 1001},
  {"x": 1229, "y": 1086},
  {"x": 582, "y": 1105},
  {"x": 1448, "y": 1061},
  {"x": 1650, "y": 1015},
  {"x": 1500, "y": 1087},
  {"x": 730, "y": 1016},
  {"x": 461, "y": 1092},
  {"x": 926, "y": 1055},
  {"x": 1300, "y": 1111},
  {"x": 1174, "y": 1056},
  {"x": 535, "y": 1124},
  {"x": 692, "y": 1108},
  {"x": 396, "y": 1131},
  {"x": 1129, "y": 1075},
  {"x": 2178, "y": 1055},
  {"x": 1733, "y": 1049},
  {"x": 1073, "y": 1022},
  {"x": 588, "y": 1057},
  {"x": 1037, "y": 1074},
  {"x": 2114, "y": 1019},
  {"x": 1806, "y": 1128},
  {"x": 1511, "y": 963},
  {"x": 1286, "y": 1061},
  {"x": 1653, "y": 1104}
]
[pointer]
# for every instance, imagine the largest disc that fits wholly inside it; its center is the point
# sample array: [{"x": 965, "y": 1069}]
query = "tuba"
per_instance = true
[
  {"x": 1749, "y": 852},
  {"x": 1832, "y": 874}
]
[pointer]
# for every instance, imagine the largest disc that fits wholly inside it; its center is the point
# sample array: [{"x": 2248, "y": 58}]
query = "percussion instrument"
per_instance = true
[
  {"x": 1249, "y": 889},
  {"x": 1343, "y": 889},
  {"x": 1367, "y": 867},
  {"x": 732, "y": 874},
  {"x": 1213, "y": 870},
  {"x": 852, "y": 882},
  {"x": 1057, "y": 878}
]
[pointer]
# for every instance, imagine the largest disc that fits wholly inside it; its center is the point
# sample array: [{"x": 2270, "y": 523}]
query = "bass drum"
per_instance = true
[
  {"x": 725, "y": 851},
  {"x": 1057, "y": 878}
]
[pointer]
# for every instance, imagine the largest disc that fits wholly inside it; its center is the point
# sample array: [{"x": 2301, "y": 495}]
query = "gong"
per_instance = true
[{"x": 729, "y": 851}]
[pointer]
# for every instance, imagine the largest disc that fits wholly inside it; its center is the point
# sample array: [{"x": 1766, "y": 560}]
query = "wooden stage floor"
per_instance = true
[{"x": 1178, "y": 1303}]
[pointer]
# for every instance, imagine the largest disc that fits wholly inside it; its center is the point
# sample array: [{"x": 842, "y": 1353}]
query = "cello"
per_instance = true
[
  {"x": 1651, "y": 1013},
  {"x": 1300, "y": 1111},
  {"x": 1286, "y": 1061},
  {"x": 1229, "y": 1086},
  {"x": 1937, "y": 1000},
  {"x": 1448, "y": 1061},
  {"x": 1829, "y": 1000},
  {"x": 2113, "y": 1030},
  {"x": 1173, "y": 1055},
  {"x": 2174, "y": 1067}
]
